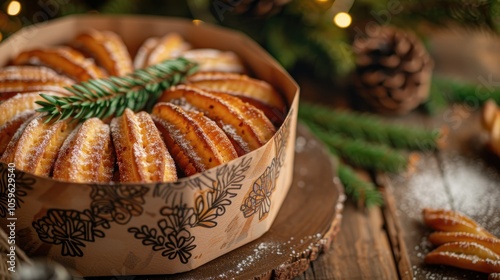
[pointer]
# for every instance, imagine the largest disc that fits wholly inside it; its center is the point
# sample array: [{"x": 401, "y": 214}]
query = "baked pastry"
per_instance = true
[
  {"x": 211, "y": 60},
  {"x": 141, "y": 154},
  {"x": 211, "y": 120},
  {"x": 87, "y": 154},
  {"x": 196, "y": 142},
  {"x": 9, "y": 128},
  {"x": 107, "y": 49},
  {"x": 155, "y": 50},
  {"x": 36, "y": 149},
  {"x": 491, "y": 123},
  {"x": 462, "y": 242},
  {"x": 21, "y": 79},
  {"x": 239, "y": 85},
  {"x": 15, "y": 111},
  {"x": 64, "y": 60},
  {"x": 246, "y": 126}
]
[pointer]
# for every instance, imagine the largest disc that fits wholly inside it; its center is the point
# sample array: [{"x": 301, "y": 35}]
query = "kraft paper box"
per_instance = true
[{"x": 162, "y": 228}]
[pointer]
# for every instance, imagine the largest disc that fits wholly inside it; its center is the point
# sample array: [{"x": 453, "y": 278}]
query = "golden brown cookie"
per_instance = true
[
  {"x": 64, "y": 60},
  {"x": 196, "y": 142},
  {"x": 36, "y": 149},
  {"x": 155, "y": 50},
  {"x": 107, "y": 49},
  {"x": 87, "y": 155},
  {"x": 140, "y": 151},
  {"x": 246, "y": 126}
]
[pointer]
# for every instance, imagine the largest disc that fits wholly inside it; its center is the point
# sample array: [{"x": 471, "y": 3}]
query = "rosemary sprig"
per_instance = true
[{"x": 110, "y": 96}]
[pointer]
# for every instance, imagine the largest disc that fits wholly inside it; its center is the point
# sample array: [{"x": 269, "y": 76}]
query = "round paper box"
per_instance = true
[{"x": 163, "y": 228}]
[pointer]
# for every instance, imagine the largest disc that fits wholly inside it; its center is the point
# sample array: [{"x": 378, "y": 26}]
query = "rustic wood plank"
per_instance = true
[
  {"x": 360, "y": 251},
  {"x": 395, "y": 231},
  {"x": 413, "y": 192}
]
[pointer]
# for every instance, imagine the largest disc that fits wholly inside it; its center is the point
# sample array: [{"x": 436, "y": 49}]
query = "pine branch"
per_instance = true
[
  {"x": 118, "y": 7},
  {"x": 361, "y": 153},
  {"x": 358, "y": 189},
  {"x": 465, "y": 92},
  {"x": 437, "y": 101},
  {"x": 110, "y": 96},
  {"x": 369, "y": 128}
]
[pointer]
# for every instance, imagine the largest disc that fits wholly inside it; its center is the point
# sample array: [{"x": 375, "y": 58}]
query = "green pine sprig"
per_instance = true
[
  {"x": 473, "y": 94},
  {"x": 361, "y": 191},
  {"x": 445, "y": 91},
  {"x": 110, "y": 96},
  {"x": 361, "y": 153},
  {"x": 370, "y": 128}
]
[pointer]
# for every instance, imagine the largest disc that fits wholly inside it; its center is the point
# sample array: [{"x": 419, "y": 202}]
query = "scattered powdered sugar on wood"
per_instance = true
[{"x": 292, "y": 249}]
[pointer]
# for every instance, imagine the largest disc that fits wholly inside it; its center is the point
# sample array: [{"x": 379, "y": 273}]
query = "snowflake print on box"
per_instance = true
[
  {"x": 172, "y": 236},
  {"x": 258, "y": 199},
  {"x": 23, "y": 184},
  {"x": 73, "y": 229}
]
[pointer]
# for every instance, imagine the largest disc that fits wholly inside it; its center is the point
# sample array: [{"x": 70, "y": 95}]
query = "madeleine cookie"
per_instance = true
[
  {"x": 210, "y": 60},
  {"x": 36, "y": 149},
  {"x": 246, "y": 126},
  {"x": 21, "y": 79},
  {"x": 107, "y": 49},
  {"x": 196, "y": 142},
  {"x": 64, "y": 60},
  {"x": 87, "y": 155},
  {"x": 238, "y": 85},
  {"x": 155, "y": 50},
  {"x": 140, "y": 151},
  {"x": 10, "y": 127}
]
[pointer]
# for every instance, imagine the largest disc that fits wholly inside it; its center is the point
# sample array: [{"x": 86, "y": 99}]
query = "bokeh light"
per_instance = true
[
  {"x": 14, "y": 8},
  {"x": 342, "y": 20}
]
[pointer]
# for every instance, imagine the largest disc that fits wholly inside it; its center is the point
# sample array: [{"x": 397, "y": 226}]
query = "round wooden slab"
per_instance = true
[{"x": 306, "y": 224}]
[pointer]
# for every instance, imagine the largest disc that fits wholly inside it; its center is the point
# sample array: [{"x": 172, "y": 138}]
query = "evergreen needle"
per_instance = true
[
  {"x": 112, "y": 95},
  {"x": 369, "y": 128},
  {"x": 471, "y": 94},
  {"x": 359, "y": 190},
  {"x": 361, "y": 153}
]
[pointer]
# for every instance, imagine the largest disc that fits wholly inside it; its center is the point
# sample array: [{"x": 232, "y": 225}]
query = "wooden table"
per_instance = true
[{"x": 390, "y": 242}]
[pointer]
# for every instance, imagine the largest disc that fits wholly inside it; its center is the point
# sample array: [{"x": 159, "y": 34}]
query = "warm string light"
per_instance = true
[
  {"x": 197, "y": 22},
  {"x": 13, "y": 8},
  {"x": 342, "y": 20}
]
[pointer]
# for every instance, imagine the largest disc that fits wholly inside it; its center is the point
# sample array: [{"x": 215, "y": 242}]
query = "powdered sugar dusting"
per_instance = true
[
  {"x": 233, "y": 134},
  {"x": 170, "y": 46},
  {"x": 32, "y": 73},
  {"x": 83, "y": 156},
  {"x": 215, "y": 60},
  {"x": 118, "y": 53},
  {"x": 38, "y": 146},
  {"x": 143, "y": 52},
  {"x": 293, "y": 248},
  {"x": 141, "y": 153}
]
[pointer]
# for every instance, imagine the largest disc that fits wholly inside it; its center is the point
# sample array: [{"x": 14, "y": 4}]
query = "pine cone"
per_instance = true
[
  {"x": 257, "y": 8},
  {"x": 393, "y": 70}
]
